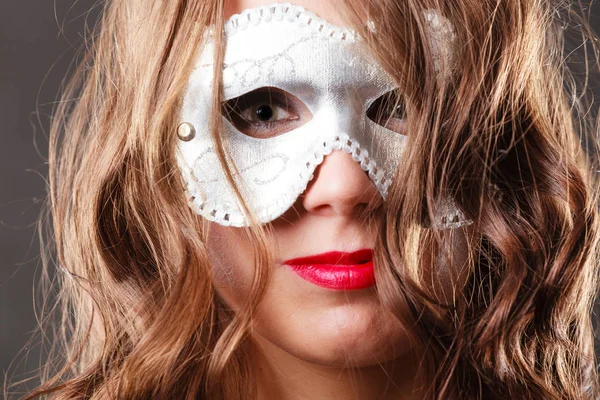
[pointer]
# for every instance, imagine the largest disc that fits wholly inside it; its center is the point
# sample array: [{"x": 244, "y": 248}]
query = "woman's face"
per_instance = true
[
  {"x": 314, "y": 323},
  {"x": 309, "y": 313}
]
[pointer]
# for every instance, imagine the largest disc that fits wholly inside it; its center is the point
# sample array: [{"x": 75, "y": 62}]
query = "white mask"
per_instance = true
[{"x": 324, "y": 67}]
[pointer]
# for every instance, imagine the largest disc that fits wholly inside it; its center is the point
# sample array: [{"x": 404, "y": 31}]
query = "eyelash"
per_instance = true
[
  {"x": 283, "y": 112},
  {"x": 244, "y": 112}
]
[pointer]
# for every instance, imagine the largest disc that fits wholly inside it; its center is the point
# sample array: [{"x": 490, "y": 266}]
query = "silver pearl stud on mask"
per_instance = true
[{"x": 186, "y": 131}]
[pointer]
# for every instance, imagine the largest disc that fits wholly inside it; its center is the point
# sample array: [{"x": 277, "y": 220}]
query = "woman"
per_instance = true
[{"x": 365, "y": 200}]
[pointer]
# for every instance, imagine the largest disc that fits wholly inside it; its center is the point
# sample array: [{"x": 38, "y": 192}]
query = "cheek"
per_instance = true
[
  {"x": 449, "y": 273},
  {"x": 312, "y": 324},
  {"x": 357, "y": 331},
  {"x": 315, "y": 325},
  {"x": 231, "y": 258}
]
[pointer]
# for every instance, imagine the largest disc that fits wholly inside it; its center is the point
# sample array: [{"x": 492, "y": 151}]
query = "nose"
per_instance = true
[{"x": 340, "y": 188}]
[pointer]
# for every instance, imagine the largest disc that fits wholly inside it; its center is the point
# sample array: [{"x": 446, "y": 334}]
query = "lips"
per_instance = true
[{"x": 336, "y": 270}]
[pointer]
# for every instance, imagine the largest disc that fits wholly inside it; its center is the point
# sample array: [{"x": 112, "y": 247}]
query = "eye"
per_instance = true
[
  {"x": 389, "y": 111},
  {"x": 266, "y": 112}
]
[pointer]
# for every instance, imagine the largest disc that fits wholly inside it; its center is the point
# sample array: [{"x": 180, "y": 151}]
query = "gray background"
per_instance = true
[{"x": 38, "y": 39}]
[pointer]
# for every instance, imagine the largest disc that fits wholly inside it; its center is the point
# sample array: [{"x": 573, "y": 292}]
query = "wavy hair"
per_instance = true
[{"x": 506, "y": 132}]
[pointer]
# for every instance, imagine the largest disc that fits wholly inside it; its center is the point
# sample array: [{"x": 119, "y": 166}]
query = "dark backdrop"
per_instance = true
[{"x": 38, "y": 39}]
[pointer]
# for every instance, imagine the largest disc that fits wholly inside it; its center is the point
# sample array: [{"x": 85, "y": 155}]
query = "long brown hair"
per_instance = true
[{"x": 501, "y": 133}]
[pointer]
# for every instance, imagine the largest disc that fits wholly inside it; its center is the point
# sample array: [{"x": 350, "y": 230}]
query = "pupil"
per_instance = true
[{"x": 264, "y": 113}]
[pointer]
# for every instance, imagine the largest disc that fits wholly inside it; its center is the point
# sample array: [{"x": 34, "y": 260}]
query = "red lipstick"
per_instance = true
[{"x": 336, "y": 270}]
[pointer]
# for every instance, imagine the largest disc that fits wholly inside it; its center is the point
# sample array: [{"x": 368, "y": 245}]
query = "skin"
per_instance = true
[{"x": 304, "y": 337}]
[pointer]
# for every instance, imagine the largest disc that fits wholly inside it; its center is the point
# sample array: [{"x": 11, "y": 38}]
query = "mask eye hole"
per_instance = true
[
  {"x": 266, "y": 112},
  {"x": 389, "y": 111}
]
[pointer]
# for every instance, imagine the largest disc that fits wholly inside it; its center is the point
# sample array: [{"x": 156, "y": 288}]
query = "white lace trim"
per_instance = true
[
  {"x": 440, "y": 26},
  {"x": 231, "y": 215},
  {"x": 286, "y": 11}
]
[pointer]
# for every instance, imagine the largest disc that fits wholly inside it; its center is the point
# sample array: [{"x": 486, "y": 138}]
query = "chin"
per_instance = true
[{"x": 353, "y": 334}]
